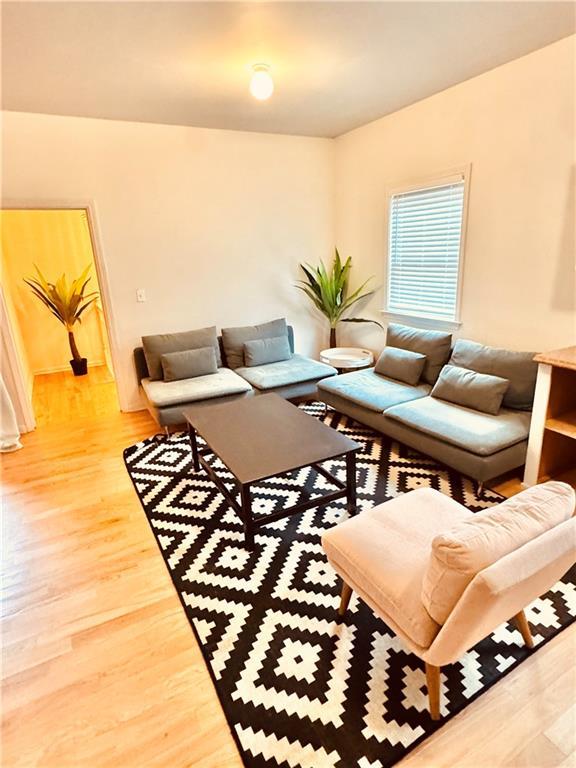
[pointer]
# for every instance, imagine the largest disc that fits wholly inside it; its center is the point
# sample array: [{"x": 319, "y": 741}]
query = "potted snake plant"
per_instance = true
[
  {"x": 67, "y": 302},
  {"x": 329, "y": 292}
]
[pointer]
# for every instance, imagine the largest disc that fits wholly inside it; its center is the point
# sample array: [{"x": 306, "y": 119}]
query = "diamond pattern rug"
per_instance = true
[{"x": 300, "y": 689}]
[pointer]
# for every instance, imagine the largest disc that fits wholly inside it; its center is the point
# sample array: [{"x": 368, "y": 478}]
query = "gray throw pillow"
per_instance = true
[
  {"x": 434, "y": 344},
  {"x": 471, "y": 389},
  {"x": 401, "y": 364},
  {"x": 233, "y": 339},
  {"x": 518, "y": 367},
  {"x": 189, "y": 363},
  {"x": 163, "y": 343},
  {"x": 264, "y": 351}
]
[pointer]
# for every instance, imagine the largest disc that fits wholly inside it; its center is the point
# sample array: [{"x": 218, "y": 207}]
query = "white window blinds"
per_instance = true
[{"x": 425, "y": 232}]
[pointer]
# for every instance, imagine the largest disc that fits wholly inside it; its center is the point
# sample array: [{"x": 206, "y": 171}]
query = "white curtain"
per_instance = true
[{"x": 9, "y": 432}]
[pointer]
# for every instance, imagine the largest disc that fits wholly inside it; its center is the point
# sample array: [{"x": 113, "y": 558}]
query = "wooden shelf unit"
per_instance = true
[{"x": 552, "y": 442}]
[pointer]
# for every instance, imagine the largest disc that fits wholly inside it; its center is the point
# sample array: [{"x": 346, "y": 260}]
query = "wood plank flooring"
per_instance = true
[
  {"x": 100, "y": 667},
  {"x": 62, "y": 397}
]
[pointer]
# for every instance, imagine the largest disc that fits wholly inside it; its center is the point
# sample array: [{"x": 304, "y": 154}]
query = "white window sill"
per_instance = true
[{"x": 423, "y": 322}]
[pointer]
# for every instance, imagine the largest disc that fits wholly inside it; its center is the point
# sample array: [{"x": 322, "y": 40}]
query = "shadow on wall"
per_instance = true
[{"x": 564, "y": 292}]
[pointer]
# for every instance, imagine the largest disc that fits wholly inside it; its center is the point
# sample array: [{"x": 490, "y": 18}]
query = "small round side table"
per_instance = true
[{"x": 347, "y": 358}]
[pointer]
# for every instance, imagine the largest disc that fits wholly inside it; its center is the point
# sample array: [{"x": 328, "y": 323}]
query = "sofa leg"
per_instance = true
[
  {"x": 166, "y": 431},
  {"x": 344, "y": 598},
  {"x": 522, "y": 625},
  {"x": 480, "y": 489},
  {"x": 433, "y": 684}
]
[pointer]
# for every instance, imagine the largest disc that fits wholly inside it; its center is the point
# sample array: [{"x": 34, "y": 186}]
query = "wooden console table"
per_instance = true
[{"x": 552, "y": 442}]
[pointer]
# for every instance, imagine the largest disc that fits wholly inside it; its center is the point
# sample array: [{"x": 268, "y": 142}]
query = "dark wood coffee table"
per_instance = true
[{"x": 265, "y": 436}]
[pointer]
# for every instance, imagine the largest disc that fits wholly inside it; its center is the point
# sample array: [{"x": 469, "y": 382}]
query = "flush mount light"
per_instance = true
[{"x": 261, "y": 83}]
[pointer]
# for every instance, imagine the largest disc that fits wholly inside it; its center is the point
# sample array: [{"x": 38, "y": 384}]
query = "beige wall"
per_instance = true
[
  {"x": 57, "y": 242},
  {"x": 212, "y": 224},
  {"x": 515, "y": 126}
]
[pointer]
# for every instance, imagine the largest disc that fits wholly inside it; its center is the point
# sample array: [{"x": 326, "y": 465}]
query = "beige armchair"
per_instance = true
[{"x": 443, "y": 578}]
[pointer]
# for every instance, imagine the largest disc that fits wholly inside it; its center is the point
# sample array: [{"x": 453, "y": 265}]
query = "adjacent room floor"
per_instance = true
[
  {"x": 59, "y": 398},
  {"x": 101, "y": 667}
]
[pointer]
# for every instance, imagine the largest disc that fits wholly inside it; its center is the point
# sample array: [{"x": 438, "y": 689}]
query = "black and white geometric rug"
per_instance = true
[{"x": 299, "y": 689}]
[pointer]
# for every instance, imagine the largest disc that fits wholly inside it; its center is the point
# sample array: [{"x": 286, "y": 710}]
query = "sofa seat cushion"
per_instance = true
[
  {"x": 373, "y": 391},
  {"x": 284, "y": 372},
  {"x": 480, "y": 433},
  {"x": 463, "y": 550},
  {"x": 383, "y": 555},
  {"x": 223, "y": 382}
]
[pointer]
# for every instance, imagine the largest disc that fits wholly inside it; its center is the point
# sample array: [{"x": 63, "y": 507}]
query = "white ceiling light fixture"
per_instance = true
[{"x": 261, "y": 83}]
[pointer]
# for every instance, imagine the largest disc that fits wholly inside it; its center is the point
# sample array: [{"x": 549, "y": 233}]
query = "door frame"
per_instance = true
[{"x": 88, "y": 205}]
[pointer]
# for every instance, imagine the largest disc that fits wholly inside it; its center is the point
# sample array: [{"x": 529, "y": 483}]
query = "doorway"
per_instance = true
[{"x": 57, "y": 242}]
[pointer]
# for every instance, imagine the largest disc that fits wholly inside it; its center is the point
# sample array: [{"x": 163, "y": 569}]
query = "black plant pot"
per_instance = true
[{"x": 80, "y": 367}]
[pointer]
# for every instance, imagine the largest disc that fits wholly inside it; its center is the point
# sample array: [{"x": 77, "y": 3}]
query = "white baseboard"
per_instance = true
[{"x": 66, "y": 367}]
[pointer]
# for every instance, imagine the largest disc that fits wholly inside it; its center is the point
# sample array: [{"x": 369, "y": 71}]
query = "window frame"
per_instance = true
[{"x": 459, "y": 173}]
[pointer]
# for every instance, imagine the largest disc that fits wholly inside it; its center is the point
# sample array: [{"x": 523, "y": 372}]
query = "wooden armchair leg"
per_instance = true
[
  {"x": 344, "y": 598},
  {"x": 433, "y": 683},
  {"x": 522, "y": 625}
]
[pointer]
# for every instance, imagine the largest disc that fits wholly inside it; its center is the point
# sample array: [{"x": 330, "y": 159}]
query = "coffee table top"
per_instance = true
[{"x": 264, "y": 436}]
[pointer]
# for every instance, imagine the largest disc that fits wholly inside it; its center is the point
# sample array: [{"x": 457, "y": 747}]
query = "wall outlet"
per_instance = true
[{"x": 140, "y": 294}]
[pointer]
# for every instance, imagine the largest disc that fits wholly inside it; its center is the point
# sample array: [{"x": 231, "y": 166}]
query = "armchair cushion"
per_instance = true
[
  {"x": 383, "y": 553},
  {"x": 479, "y": 541}
]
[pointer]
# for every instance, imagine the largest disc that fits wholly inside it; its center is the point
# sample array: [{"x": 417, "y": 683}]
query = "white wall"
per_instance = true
[
  {"x": 211, "y": 223},
  {"x": 515, "y": 125}
]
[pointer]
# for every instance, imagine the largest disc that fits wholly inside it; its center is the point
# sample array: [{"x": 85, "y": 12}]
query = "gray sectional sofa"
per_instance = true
[
  {"x": 230, "y": 378},
  {"x": 478, "y": 443}
]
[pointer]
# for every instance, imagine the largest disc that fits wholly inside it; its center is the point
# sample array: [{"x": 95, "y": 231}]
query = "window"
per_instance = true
[{"x": 425, "y": 250}]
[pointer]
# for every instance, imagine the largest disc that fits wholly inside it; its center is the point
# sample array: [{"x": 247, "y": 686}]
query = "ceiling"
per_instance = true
[{"x": 336, "y": 65}]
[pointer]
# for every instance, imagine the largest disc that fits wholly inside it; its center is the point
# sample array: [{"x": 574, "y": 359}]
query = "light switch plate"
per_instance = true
[{"x": 140, "y": 294}]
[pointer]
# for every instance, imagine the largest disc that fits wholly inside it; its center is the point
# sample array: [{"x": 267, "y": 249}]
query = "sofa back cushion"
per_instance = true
[
  {"x": 163, "y": 343},
  {"x": 189, "y": 363},
  {"x": 234, "y": 339},
  {"x": 401, "y": 365},
  {"x": 264, "y": 351},
  {"x": 487, "y": 536},
  {"x": 470, "y": 389},
  {"x": 434, "y": 344},
  {"x": 518, "y": 367}
]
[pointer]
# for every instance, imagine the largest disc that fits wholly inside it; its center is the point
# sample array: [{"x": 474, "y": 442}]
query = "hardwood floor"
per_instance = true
[
  {"x": 62, "y": 397},
  {"x": 100, "y": 666}
]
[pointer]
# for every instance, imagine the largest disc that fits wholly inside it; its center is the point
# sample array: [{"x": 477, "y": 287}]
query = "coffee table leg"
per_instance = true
[
  {"x": 194, "y": 446},
  {"x": 246, "y": 496},
  {"x": 351, "y": 483}
]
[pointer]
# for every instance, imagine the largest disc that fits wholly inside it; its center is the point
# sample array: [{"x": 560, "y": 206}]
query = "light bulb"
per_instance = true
[{"x": 261, "y": 83}]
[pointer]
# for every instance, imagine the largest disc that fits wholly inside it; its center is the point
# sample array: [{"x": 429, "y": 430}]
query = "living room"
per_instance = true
[{"x": 204, "y": 203}]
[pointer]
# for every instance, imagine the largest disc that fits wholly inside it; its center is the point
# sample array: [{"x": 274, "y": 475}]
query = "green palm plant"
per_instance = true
[
  {"x": 328, "y": 291},
  {"x": 66, "y": 301}
]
